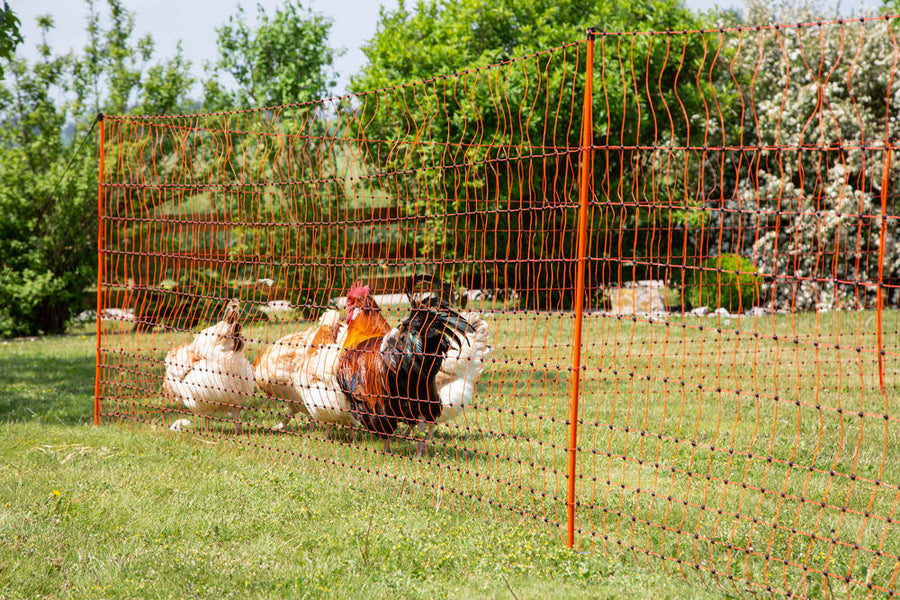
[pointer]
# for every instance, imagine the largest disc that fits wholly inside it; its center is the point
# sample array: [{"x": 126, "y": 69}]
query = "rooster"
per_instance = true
[
  {"x": 276, "y": 366},
  {"x": 210, "y": 375},
  {"x": 421, "y": 372}
]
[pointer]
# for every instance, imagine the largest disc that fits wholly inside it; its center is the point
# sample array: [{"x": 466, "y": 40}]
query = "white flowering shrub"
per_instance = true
[{"x": 822, "y": 110}]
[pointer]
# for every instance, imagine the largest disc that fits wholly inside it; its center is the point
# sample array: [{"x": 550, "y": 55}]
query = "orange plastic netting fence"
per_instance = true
[{"x": 674, "y": 255}]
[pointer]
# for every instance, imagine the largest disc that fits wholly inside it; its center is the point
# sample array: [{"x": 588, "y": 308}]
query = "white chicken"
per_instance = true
[
  {"x": 274, "y": 368},
  {"x": 210, "y": 375},
  {"x": 463, "y": 365}
]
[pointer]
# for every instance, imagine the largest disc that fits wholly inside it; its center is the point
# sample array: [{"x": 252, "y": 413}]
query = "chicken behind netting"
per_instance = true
[
  {"x": 316, "y": 380},
  {"x": 210, "y": 375},
  {"x": 403, "y": 374},
  {"x": 464, "y": 363},
  {"x": 276, "y": 365}
]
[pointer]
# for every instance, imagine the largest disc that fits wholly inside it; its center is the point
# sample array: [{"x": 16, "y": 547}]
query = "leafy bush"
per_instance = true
[
  {"x": 727, "y": 281},
  {"x": 47, "y": 240},
  {"x": 38, "y": 302}
]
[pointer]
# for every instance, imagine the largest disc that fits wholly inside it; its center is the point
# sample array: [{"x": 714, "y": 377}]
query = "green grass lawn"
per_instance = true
[
  {"x": 113, "y": 512},
  {"x": 756, "y": 451}
]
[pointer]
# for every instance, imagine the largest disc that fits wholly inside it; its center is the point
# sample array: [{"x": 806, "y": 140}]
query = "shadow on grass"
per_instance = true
[{"x": 46, "y": 388}]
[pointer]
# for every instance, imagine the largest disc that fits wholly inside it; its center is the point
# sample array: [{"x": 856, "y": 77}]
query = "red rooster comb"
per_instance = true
[{"x": 358, "y": 291}]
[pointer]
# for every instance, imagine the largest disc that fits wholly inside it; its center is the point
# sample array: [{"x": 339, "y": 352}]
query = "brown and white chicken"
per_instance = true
[
  {"x": 276, "y": 367},
  {"x": 210, "y": 376},
  {"x": 316, "y": 380}
]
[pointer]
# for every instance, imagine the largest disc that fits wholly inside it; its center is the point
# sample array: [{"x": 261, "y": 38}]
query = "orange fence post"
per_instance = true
[
  {"x": 99, "y": 275},
  {"x": 879, "y": 294},
  {"x": 584, "y": 177}
]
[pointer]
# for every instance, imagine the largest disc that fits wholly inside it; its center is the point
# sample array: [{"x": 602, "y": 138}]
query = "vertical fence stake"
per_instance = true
[
  {"x": 99, "y": 274},
  {"x": 584, "y": 187},
  {"x": 879, "y": 293}
]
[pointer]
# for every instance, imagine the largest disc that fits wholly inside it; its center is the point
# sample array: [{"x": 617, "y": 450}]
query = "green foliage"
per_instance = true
[
  {"x": 283, "y": 59},
  {"x": 48, "y": 213},
  {"x": 519, "y": 110},
  {"x": 261, "y": 182},
  {"x": 165, "y": 85},
  {"x": 47, "y": 225},
  {"x": 114, "y": 73},
  {"x": 48, "y": 183},
  {"x": 726, "y": 281},
  {"x": 10, "y": 34}
]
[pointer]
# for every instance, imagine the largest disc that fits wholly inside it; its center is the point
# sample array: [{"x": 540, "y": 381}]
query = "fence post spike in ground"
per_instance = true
[{"x": 585, "y": 188}]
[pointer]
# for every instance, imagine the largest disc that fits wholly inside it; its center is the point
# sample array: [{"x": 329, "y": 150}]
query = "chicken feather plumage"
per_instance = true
[
  {"x": 210, "y": 375},
  {"x": 399, "y": 374},
  {"x": 276, "y": 366},
  {"x": 316, "y": 379}
]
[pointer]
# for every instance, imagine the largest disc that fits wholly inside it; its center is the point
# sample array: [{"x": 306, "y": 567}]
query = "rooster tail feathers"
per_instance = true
[
  {"x": 438, "y": 304},
  {"x": 442, "y": 289},
  {"x": 442, "y": 321},
  {"x": 458, "y": 322},
  {"x": 454, "y": 326},
  {"x": 474, "y": 349}
]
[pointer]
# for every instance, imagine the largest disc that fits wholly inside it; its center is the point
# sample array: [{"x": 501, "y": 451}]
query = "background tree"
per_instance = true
[
  {"x": 10, "y": 35},
  {"x": 48, "y": 213},
  {"x": 283, "y": 59},
  {"x": 48, "y": 202},
  {"x": 441, "y": 37},
  {"x": 282, "y": 62},
  {"x": 42, "y": 229}
]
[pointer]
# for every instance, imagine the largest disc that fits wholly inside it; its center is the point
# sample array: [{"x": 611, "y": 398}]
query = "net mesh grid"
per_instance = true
[{"x": 741, "y": 277}]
